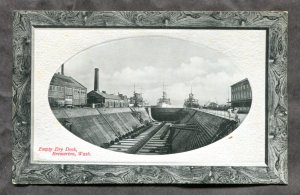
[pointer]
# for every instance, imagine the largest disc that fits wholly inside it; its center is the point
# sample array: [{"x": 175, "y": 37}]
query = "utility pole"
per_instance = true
[{"x": 228, "y": 95}]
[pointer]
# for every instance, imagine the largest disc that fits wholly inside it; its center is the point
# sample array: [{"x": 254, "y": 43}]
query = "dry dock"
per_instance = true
[{"x": 132, "y": 130}]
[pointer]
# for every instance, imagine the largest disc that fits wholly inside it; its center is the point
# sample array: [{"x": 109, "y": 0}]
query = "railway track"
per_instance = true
[{"x": 152, "y": 141}]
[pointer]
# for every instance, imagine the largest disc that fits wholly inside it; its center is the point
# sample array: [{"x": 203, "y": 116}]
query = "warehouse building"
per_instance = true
[
  {"x": 66, "y": 91},
  {"x": 241, "y": 95},
  {"x": 102, "y": 99}
]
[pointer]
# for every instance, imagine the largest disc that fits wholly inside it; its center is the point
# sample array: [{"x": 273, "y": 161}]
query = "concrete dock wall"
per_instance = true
[
  {"x": 100, "y": 126},
  {"x": 202, "y": 129},
  {"x": 143, "y": 113}
]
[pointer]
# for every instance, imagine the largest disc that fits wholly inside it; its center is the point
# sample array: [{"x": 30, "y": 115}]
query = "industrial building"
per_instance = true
[
  {"x": 241, "y": 95},
  {"x": 66, "y": 91},
  {"x": 102, "y": 99}
]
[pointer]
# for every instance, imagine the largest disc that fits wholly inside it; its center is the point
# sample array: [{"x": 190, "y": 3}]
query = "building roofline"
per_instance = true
[
  {"x": 105, "y": 95},
  {"x": 78, "y": 82},
  {"x": 60, "y": 76},
  {"x": 246, "y": 79}
]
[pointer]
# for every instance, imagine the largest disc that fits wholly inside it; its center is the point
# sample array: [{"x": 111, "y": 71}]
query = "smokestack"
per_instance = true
[
  {"x": 96, "y": 81},
  {"x": 62, "y": 69}
]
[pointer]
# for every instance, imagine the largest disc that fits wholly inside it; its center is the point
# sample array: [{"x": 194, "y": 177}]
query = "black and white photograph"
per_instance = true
[{"x": 150, "y": 95}]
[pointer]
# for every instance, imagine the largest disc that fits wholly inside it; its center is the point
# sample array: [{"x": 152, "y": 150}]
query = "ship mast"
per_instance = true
[{"x": 164, "y": 91}]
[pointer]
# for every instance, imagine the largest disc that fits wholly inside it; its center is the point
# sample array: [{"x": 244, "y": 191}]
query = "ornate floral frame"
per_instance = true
[{"x": 274, "y": 22}]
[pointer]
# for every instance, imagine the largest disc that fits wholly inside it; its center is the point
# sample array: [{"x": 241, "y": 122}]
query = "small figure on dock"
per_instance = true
[
  {"x": 229, "y": 112},
  {"x": 236, "y": 116}
]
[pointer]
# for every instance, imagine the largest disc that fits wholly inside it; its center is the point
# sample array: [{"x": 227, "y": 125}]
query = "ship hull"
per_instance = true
[{"x": 166, "y": 114}]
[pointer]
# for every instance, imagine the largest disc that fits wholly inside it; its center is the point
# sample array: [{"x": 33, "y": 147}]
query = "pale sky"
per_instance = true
[{"x": 150, "y": 61}]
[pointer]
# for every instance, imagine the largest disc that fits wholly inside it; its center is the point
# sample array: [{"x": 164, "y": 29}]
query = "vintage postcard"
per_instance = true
[{"x": 193, "y": 97}]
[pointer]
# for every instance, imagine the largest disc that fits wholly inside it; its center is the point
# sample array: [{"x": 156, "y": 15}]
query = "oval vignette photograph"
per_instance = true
[{"x": 150, "y": 95}]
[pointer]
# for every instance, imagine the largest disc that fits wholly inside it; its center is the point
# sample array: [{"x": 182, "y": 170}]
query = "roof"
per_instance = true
[
  {"x": 105, "y": 95},
  {"x": 242, "y": 81},
  {"x": 66, "y": 81}
]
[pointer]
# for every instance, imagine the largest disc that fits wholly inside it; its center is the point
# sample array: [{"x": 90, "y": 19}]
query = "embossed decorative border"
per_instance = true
[{"x": 274, "y": 22}]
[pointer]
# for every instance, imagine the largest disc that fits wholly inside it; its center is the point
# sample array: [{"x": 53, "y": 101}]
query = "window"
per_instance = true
[
  {"x": 69, "y": 91},
  {"x": 76, "y": 93}
]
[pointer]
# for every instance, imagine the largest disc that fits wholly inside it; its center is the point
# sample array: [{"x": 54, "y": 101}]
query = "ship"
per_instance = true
[
  {"x": 136, "y": 100},
  {"x": 191, "y": 102},
  {"x": 164, "y": 101}
]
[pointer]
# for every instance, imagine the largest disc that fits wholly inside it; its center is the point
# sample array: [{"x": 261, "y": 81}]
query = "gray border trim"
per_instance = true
[{"x": 26, "y": 173}]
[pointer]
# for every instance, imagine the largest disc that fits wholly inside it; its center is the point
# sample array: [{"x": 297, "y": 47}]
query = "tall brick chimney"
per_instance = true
[
  {"x": 96, "y": 81},
  {"x": 62, "y": 69}
]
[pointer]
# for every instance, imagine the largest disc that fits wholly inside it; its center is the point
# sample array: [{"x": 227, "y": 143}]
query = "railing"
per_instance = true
[{"x": 220, "y": 113}]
